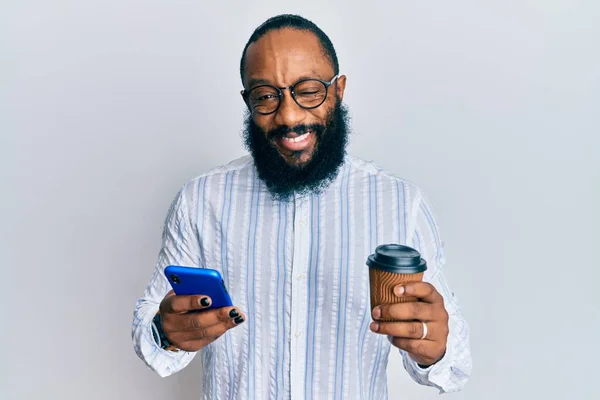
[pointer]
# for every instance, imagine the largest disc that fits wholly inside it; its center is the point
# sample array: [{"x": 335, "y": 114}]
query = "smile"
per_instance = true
[
  {"x": 298, "y": 143},
  {"x": 297, "y": 139}
]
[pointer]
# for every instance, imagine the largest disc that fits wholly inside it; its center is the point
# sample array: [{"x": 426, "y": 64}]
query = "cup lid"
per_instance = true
[{"x": 397, "y": 258}]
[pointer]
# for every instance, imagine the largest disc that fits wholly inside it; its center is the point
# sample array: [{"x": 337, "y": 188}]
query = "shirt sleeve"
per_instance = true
[
  {"x": 179, "y": 247},
  {"x": 451, "y": 373}
]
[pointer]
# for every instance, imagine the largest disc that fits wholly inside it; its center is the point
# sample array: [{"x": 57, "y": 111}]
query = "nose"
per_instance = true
[{"x": 289, "y": 113}]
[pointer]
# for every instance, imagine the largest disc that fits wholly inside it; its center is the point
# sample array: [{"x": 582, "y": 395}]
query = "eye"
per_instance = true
[
  {"x": 266, "y": 97},
  {"x": 308, "y": 92}
]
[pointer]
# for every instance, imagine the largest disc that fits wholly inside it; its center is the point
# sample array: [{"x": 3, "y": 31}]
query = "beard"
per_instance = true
[{"x": 283, "y": 179}]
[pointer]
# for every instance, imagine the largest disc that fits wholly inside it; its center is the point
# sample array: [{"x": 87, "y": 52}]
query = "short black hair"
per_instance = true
[{"x": 294, "y": 22}]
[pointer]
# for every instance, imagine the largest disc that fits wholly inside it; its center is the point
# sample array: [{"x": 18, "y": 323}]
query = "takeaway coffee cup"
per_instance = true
[{"x": 391, "y": 265}]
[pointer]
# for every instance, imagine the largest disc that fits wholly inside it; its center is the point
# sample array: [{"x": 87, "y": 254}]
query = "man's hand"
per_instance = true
[
  {"x": 191, "y": 331},
  {"x": 406, "y": 332}
]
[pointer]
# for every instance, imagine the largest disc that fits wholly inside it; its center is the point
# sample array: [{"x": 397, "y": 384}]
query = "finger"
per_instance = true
[
  {"x": 407, "y": 330},
  {"x": 206, "y": 334},
  {"x": 181, "y": 304},
  {"x": 411, "y": 311},
  {"x": 200, "y": 321},
  {"x": 424, "y": 291},
  {"x": 423, "y": 348}
]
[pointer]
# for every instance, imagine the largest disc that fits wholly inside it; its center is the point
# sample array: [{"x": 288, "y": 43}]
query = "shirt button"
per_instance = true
[
  {"x": 298, "y": 334},
  {"x": 302, "y": 222},
  {"x": 299, "y": 276}
]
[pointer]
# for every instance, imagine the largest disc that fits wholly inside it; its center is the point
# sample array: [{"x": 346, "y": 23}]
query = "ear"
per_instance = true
[
  {"x": 341, "y": 86},
  {"x": 245, "y": 99}
]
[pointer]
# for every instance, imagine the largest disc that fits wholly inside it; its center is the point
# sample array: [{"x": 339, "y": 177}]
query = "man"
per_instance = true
[{"x": 290, "y": 228}]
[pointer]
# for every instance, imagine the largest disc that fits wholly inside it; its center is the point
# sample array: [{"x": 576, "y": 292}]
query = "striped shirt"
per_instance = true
[{"x": 297, "y": 270}]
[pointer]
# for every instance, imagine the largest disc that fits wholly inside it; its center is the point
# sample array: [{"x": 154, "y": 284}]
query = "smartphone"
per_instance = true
[{"x": 194, "y": 281}]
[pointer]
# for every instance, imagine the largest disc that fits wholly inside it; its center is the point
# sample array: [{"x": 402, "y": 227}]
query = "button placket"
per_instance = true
[{"x": 299, "y": 299}]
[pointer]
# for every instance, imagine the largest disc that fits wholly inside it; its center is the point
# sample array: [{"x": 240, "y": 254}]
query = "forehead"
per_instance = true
[{"x": 283, "y": 56}]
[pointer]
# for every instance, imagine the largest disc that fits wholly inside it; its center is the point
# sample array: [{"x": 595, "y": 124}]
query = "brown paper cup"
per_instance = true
[
  {"x": 382, "y": 285},
  {"x": 392, "y": 265}
]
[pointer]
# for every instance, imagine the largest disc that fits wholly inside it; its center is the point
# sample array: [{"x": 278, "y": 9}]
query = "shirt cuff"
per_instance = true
[
  {"x": 437, "y": 375},
  {"x": 171, "y": 351},
  {"x": 163, "y": 362}
]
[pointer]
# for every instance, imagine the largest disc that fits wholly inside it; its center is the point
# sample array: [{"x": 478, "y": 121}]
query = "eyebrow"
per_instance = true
[{"x": 253, "y": 82}]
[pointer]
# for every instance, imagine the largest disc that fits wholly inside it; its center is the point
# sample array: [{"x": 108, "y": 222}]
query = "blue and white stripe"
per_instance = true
[{"x": 297, "y": 269}]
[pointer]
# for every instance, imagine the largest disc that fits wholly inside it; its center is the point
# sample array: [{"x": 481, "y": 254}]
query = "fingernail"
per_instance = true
[
  {"x": 376, "y": 312},
  {"x": 238, "y": 320},
  {"x": 374, "y": 326},
  {"x": 399, "y": 290},
  {"x": 204, "y": 302},
  {"x": 233, "y": 313}
]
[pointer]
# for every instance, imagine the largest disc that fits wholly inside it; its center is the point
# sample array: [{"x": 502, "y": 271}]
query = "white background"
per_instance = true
[{"x": 107, "y": 107}]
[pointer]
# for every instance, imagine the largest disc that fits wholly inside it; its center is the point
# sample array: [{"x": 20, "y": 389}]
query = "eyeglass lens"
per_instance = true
[{"x": 308, "y": 94}]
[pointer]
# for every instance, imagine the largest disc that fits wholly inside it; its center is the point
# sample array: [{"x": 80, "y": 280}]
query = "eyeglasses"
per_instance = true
[{"x": 307, "y": 93}]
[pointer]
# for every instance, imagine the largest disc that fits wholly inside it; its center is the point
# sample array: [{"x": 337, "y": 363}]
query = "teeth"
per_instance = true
[{"x": 297, "y": 139}]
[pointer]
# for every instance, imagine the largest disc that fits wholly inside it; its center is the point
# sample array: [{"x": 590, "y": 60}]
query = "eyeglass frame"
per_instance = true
[{"x": 291, "y": 88}]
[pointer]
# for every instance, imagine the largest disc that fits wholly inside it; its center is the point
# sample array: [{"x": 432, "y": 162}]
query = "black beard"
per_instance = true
[{"x": 283, "y": 179}]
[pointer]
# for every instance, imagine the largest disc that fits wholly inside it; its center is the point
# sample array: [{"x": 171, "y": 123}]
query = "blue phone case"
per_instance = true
[{"x": 194, "y": 281}]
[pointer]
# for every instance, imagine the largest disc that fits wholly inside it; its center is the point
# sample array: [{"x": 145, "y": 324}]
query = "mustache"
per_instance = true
[{"x": 300, "y": 129}]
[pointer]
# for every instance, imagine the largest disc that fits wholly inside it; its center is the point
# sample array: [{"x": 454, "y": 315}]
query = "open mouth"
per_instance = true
[
  {"x": 297, "y": 139},
  {"x": 296, "y": 143}
]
